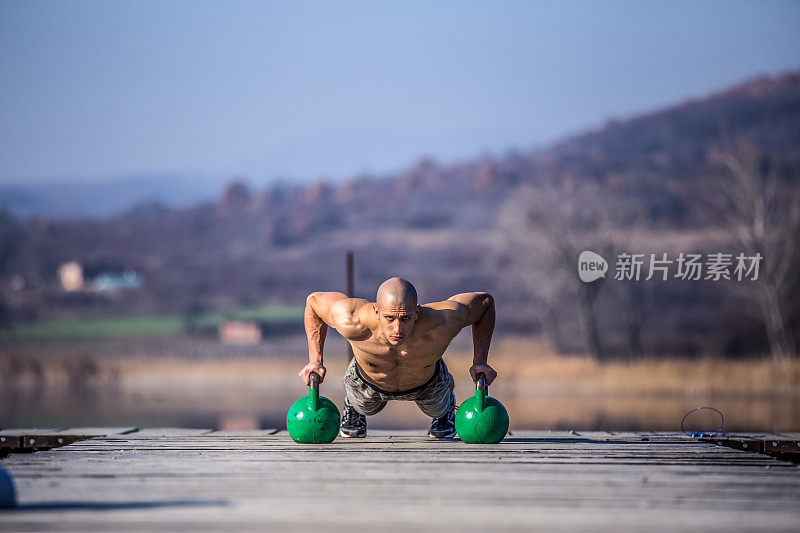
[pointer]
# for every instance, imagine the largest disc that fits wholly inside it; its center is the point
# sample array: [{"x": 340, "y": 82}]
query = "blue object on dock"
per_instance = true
[
  {"x": 8, "y": 497},
  {"x": 701, "y": 434}
]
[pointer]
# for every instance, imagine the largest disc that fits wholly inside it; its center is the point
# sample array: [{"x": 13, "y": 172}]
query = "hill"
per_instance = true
[{"x": 441, "y": 226}]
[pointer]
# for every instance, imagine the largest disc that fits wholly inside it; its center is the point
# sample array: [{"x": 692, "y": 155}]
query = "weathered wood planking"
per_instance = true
[
  {"x": 168, "y": 432},
  {"x": 400, "y": 481},
  {"x": 38, "y": 439}
]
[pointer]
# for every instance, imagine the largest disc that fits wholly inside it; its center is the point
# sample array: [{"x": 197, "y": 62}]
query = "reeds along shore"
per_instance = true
[
  {"x": 521, "y": 363},
  {"x": 541, "y": 389}
]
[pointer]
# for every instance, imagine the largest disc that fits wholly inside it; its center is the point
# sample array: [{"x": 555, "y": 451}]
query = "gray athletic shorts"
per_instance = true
[{"x": 435, "y": 397}]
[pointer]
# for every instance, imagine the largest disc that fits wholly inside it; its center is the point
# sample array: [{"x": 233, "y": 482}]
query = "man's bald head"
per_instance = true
[{"x": 395, "y": 292}]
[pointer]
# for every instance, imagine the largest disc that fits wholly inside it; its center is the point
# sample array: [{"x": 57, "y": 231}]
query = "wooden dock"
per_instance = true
[{"x": 123, "y": 479}]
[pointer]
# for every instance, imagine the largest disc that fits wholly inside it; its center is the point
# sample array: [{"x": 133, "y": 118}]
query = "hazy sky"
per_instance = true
[{"x": 97, "y": 90}]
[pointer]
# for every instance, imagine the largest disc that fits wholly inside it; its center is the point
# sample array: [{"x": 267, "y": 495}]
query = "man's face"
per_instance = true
[{"x": 397, "y": 321}]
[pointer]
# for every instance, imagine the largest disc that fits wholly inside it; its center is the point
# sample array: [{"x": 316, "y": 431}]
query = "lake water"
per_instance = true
[
  {"x": 225, "y": 407},
  {"x": 201, "y": 383}
]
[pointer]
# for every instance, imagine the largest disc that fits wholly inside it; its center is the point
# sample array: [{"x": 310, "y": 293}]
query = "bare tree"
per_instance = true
[
  {"x": 546, "y": 227},
  {"x": 552, "y": 224},
  {"x": 760, "y": 204}
]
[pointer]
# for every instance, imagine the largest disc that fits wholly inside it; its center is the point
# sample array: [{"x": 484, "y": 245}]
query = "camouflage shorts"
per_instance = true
[{"x": 435, "y": 398}]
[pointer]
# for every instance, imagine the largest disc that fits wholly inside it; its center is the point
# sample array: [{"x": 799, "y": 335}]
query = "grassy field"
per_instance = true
[{"x": 148, "y": 326}]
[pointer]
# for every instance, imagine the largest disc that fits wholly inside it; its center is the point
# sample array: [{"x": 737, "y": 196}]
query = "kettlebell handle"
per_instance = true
[
  {"x": 481, "y": 391},
  {"x": 481, "y": 383},
  {"x": 313, "y": 391}
]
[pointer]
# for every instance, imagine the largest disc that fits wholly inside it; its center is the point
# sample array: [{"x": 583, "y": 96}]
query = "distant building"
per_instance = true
[
  {"x": 112, "y": 281},
  {"x": 71, "y": 276},
  {"x": 240, "y": 332}
]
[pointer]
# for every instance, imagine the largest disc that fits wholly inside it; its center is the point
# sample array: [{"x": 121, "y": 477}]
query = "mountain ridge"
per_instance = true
[
  {"x": 661, "y": 127},
  {"x": 436, "y": 224}
]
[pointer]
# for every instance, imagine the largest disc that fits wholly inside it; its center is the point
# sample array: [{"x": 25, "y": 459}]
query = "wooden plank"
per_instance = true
[
  {"x": 166, "y": 432},
  {"x": 99, "y": 432},
  {"x": 767, "y": 444},
  {"x": 782, "y": 446},
  {"x": 35, "y": 438},
  {"x": 243, "y": 433},
  {"x": 745, "y": 444},
  {"x": 48, "y": 441},
  {"x": 30, "y": 431},
  {"x": 404, "y": 481},
  {"x": 69, "y": 435},
  {"x": 11, "y": 441}
]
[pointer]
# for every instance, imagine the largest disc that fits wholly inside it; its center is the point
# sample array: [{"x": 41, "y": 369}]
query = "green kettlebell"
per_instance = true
[
  {"x": 313, "y": 419},
  {"x": 481, "y": 419}
]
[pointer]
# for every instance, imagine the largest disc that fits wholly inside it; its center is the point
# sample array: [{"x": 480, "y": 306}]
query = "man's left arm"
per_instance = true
[{"x": 480, "y": 314}]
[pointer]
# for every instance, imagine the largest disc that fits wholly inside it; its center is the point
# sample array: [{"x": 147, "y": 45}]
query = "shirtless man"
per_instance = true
[{"x": 398, "y": 347}]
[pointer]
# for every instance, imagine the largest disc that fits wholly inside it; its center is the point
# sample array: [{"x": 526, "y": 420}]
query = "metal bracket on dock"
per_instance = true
[
  {"x": 31, "y": 440},
  {"x": 782, "y": 446}
]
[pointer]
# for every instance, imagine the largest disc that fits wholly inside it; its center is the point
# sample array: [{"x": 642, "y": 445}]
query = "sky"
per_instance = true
[{"x": 99, "y": 90}]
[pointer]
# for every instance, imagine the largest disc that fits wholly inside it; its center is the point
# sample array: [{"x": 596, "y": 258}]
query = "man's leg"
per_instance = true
[
  {"x": 438, "y": 402},
  {"x": 360, "y": 400}
]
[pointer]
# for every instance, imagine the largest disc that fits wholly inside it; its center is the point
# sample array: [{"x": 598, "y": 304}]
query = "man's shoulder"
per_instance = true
[
  {"x": 349, "y": 305},
  {"x": 460, "y": 310},
  {"x": 351, "y": 316},
  {"x": 444, "y": 305},
  {"x": 447, "y": 313}
]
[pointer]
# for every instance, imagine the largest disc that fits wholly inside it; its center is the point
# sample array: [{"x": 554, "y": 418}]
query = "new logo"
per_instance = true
[{"x": 591, "y": 266}]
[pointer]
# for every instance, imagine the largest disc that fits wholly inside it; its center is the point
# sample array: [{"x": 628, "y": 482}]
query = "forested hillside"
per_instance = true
[{"x": 654, "y": 183}]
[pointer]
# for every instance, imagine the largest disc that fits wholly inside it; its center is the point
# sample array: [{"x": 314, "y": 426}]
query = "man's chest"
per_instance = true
[{"x": 420, "y": 349}]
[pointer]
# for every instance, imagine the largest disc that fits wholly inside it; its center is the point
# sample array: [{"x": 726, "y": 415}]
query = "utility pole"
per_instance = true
[{"x": 350, "y": 293}]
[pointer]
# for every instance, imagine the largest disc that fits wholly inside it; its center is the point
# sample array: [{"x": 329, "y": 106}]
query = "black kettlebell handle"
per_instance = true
[
  {"x": 314, "y": 379},
  {"x": 481, "y": 383}
]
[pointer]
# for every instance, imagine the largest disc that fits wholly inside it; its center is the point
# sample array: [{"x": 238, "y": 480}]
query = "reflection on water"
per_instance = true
[
  {"x": 238, "y": 408},
  {"x": 196, "y": 383}
]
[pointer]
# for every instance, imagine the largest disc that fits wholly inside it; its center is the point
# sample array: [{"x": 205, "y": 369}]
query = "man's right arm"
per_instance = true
[{"x": 317, "y": 318}]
